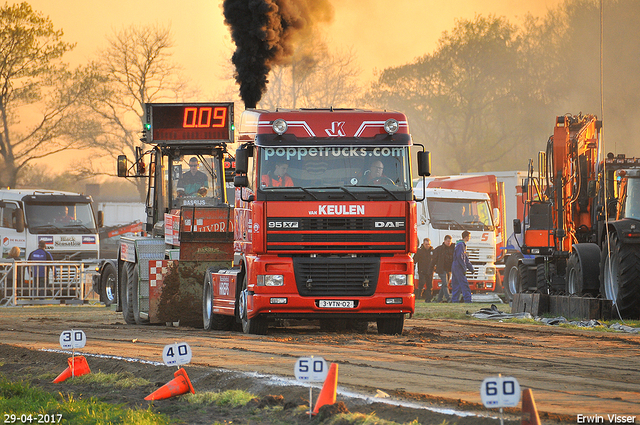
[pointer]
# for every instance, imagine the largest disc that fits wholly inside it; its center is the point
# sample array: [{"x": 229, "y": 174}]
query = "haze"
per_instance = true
[{"x": 383, "y": 33}]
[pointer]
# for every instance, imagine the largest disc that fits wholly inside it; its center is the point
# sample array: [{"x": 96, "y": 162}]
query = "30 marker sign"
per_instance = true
[{"x": 72, "y": 339}]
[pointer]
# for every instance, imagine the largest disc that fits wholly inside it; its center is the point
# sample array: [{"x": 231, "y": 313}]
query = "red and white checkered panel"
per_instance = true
[{"x": 158, "y": 269}]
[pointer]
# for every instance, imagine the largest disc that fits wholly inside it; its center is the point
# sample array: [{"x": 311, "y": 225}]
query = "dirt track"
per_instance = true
[{"x": 571, "y": 372}]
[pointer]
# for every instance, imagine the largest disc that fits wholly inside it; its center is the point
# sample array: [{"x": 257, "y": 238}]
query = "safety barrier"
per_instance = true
[{"x": 45, "y": 282}]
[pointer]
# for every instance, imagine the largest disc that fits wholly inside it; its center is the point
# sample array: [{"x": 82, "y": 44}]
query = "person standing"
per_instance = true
[
  {"x": 39, "y": 273},
  {"x": 441, "y": 262},
  {"x": 459, "y": 267},
  {"x": 422, "y": 258}
]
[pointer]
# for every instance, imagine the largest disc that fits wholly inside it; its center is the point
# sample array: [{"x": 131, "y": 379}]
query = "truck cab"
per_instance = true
[
  {"x": 65, "y": 221},
  {"x": 450, "y": 212}
]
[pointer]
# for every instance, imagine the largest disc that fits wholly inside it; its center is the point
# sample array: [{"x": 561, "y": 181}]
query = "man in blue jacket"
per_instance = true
[
  {"x": 39, "y": 273},
  {"x": 459, "y": 267}
]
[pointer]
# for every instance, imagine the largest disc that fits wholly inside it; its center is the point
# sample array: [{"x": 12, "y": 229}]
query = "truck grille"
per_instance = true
[
  {"x": 336, "y": 276},
  {"x": 337, "y": 234}
]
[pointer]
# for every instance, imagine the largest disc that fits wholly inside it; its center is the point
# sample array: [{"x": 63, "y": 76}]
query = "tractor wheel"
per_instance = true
[
  {"x": 582, "y": 276},
  {"x": 127, "y": 300},
  {"x": 134, "y": 288},
  {"x": 256, "y": 325},
  {"x": 108, "y": 285},
  {"x": 512, "y": 280},
  {"x": 620, "y": 274},
  {"x": 213, "y": 322},
  {"x": 544, "y": 277}
]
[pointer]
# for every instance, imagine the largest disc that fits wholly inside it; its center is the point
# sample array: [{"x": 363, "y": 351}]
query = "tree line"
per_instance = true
[{"x": 484, "y": 99}]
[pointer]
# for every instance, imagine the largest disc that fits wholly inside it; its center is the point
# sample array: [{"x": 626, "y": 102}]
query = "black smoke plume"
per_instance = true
[{"x": 265, "y": 33}]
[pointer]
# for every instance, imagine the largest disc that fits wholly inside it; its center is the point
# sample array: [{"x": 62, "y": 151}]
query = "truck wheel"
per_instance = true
[
  {"x": 391, "y": 325},
  {"x": 108, "y": 285},
  {"x": 359, "y": 326},
  {"x": 134, "y": 288},
  {"x": 542, "y": 286},
  {"x": 620, "y": 273},
  {"x": 512, "y": 280},
  {"x": 127, "y": 301},
  {"x": 213, "y": 322},
  {"x": 583, "y": 270},
  {"x": 256, "y": 325}
]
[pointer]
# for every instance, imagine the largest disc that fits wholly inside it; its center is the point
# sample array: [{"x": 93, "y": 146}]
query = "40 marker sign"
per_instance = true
[{"x": 176, "y": 354}]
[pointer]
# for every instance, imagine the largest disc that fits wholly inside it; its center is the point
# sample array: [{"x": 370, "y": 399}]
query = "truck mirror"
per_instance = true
[
  {"x": 123, "y": 166},
  {"x": 241, "y": 181},
  {"x": 496, "y": 216},
  {"x": 525, "y": 185},
  {"x": 242, "y": 159},
  {"x": 19, "y": 217},
  {"x": 591, "y": 189},
  {"x": 424, "y": 163},
  {"x": 517, "y": 226},
  {"x": 100, "y": 218}
]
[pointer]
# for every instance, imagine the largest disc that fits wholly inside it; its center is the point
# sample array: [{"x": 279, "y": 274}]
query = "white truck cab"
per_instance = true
[
  {"x": 65, "y": 221},
  {"x": 450, "y": 212}
]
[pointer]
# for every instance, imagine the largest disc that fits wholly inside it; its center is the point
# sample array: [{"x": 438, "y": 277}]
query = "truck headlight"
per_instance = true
[
  {"x": 280, "y": 126},
  {"x": 270, "y": 280},
  {"x": 490, "y": 271},
  {"x": 398, "y": 279}
]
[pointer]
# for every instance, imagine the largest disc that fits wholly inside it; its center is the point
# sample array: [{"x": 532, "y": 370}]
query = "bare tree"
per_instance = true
[
  {"x": 40, "y": 98},
  {"x": 137, "y": 64}
]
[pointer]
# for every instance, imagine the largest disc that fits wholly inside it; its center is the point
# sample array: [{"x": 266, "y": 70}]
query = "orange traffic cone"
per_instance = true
[
  {"x": 529, "y": 410},
  {"x": 78, "y": 366},
  {"x": 180, "y": 384},
  {"x": 328, "y": 391}
]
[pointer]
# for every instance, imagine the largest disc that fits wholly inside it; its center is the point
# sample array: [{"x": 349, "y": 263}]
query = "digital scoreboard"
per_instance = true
[{"x": 191, "y": 123}]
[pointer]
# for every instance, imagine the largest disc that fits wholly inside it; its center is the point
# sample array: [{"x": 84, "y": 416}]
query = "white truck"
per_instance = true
[
  {"x": 450, "y": 212},
  {"x": 63, "y": 220}
]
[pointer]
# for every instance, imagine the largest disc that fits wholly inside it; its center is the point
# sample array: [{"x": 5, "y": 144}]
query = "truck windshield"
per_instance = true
[
  {"x": 60, "y": 218},
  {"x": 197, "y": 180},
  {"x": 313, "y": 167},
  {"x": 632, "y": 204},
  {"x": 458, "y": 214}
]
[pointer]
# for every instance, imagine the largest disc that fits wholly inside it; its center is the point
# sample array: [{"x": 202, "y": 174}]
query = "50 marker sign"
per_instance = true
[
  {"x": 311, "y": 369},
  {"x": 176, "y": 354},
  {"x": 500, "y": 391}
]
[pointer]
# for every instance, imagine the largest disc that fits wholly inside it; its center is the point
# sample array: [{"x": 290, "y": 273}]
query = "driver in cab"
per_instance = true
[
  {"x": 278, "y": 177},
  {"x": 375, "y": 174},
  {"x": 193, "y": 182}
]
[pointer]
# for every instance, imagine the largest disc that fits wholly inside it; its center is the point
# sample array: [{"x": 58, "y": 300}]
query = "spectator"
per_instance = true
[
  {"x": 459, "y": 267},
  {"x": 422, "y": 258},
  {"x": 441, "y": 262},
  {"x": 14, "y": 255},
  {"x": 39, "y": 273}
]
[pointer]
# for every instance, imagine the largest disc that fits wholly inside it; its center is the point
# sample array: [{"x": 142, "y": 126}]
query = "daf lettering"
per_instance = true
[{"x": 389, "y": 224}]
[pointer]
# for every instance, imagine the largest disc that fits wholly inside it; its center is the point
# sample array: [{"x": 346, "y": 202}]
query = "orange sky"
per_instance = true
[{"x": 383, "y": 32}]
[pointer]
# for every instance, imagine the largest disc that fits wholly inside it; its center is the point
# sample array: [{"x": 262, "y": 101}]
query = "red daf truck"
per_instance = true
[{"x": 324, "y": 222}]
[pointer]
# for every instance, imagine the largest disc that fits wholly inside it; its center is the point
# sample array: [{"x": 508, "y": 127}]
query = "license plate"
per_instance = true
[{"x": 336, "y": 304}]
